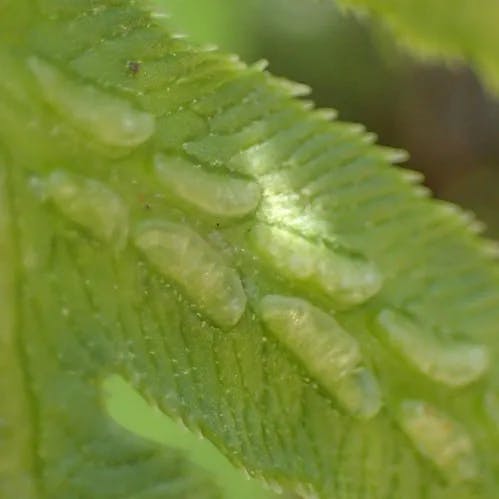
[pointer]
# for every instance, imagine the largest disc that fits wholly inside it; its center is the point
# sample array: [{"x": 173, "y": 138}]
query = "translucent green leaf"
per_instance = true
[
  {"x": 455, "y": 30},
  {"x": 175, "y": 219}
]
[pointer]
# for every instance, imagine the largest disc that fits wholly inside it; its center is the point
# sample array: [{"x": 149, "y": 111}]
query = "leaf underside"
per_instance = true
[{"x": 164, "y": 210}]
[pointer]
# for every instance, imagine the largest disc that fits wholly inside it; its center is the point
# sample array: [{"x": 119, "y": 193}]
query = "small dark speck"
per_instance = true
[
  {"x": 133, "y": 67},
  {"x": 147, "y": 206},
  {"x": 218, "y": 225}
]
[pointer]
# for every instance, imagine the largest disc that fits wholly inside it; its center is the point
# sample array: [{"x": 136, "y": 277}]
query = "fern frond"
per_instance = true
[{"x": 253, "y": 269}]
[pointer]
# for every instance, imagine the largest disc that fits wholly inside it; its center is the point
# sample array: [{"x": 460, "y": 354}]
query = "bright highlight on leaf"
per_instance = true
[
  {"x": 177, "y": 221},
  {"x": 347, "y": 279}
]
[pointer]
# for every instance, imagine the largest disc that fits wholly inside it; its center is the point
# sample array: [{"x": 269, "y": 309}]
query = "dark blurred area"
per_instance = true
[{"x": 439, "y": 112}]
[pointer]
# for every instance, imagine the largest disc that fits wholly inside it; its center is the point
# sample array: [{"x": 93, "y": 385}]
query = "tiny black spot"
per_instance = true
[
  {"x": 133, "y": 67},
  {"x": 147, "y": 206}
]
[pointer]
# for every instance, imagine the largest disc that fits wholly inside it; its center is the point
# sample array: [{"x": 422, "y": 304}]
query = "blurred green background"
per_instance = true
[{"x": 439, "y": 112}]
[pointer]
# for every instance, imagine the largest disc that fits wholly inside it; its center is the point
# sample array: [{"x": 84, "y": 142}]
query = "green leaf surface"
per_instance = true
[
  {"x": 455, "y": 30},
  {"x": 175, "y": 219}
]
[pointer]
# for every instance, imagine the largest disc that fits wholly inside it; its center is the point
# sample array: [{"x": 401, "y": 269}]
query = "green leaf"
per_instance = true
[
  {"x": 457, "y": 31},
  {"x": 224, "y": 22},
  {"x": 175, "y": 219}
]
